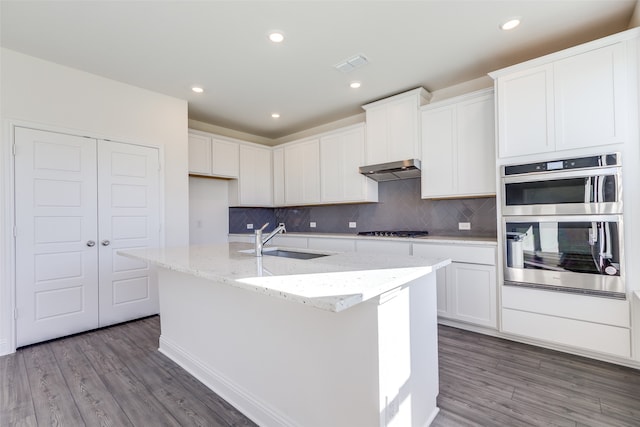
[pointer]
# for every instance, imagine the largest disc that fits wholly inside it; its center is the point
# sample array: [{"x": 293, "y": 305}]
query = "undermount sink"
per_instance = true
[{"x": 292, "y": 254}]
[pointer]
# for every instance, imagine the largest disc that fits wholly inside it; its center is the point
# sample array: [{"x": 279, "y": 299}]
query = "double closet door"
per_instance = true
[{"x": 77, "y": 202}]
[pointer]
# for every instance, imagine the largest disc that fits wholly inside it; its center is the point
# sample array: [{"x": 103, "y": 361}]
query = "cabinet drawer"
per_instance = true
[
  {"x": 338, "y": 245},
  {"x": 457, "y": 253},
  {"x": 288, "y": 241},
  {"x": 241, "y": 239},
  {"x": 382, "y": 247},
  {"x": 586, "y": 335},
  {"x": 571, "y": 306}
]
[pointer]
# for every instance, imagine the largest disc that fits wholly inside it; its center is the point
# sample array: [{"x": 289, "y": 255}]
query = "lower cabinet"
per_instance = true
[
  {"x": 471, "y": 293},
  {"x": 467, "y": 288},
  {"x": 579, "y": 321}
]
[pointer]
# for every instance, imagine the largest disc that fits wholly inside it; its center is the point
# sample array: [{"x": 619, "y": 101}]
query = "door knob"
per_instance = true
[
  {"x": 105, "y": 243},
  {"x": 91, "y": 243}
]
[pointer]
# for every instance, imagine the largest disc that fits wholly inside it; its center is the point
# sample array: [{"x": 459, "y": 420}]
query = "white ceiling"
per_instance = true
[{"x": 168, "y": 46}]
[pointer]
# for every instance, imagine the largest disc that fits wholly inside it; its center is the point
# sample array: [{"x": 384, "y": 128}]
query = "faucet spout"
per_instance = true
[{"x": 260, "y": 242}]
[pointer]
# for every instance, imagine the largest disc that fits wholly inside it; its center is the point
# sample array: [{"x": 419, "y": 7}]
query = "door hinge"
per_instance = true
[
  {"x": 13, "y": 150},
  {"x": 15, "y": 231},
  {"x": 15, "y": 313}
]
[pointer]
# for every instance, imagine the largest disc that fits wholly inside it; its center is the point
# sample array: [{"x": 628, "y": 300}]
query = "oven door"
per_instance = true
[
  {"x": 567, "y": 253},
  {"x": 580, "y": 192}
]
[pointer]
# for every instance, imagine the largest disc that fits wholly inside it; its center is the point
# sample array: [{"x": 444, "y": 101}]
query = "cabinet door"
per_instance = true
[
  {"x": 340, "y": 156},
  {"x": 472, "y": 293},
  {"x": 302, "y": 172},
  {"x": 199, "y": 154},
  {"x": 377, "y": 129},
  {"x": 591, "y": 98},
  {"x": 525, "y": 112},
  {"x": 443, "y": 296},
  {"x": 129, "y": 218},
  {"x": 402, "y": 132},
  {"x": 278, "y": 176},
  {"x": 225, "y": 158},
  {"x": 255, "y": 180},
  {"x": 476, "y": 159},
  {"x": 56, "y": 234},
  {"x": 439, "y": 152}
]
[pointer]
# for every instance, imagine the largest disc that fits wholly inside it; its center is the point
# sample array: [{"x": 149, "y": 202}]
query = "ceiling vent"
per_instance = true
[{"x": 352, "y": 63}]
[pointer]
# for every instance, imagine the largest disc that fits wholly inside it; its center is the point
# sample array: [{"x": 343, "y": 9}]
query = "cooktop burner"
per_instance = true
[{"x": 394, "y": 233}]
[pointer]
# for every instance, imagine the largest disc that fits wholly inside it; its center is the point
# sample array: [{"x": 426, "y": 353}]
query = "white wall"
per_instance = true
[
  {"x": 54, "y": 97},
  {"x": 208, "y": 210}
]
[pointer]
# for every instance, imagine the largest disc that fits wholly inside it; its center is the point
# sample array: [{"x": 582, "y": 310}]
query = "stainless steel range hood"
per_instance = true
[{"x": 392, "y": 171}]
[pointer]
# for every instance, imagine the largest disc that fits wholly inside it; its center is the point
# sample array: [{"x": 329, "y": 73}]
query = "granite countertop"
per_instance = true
[
  {"x": 334, "y": 282},
  {"x": 456, "y": 240}
]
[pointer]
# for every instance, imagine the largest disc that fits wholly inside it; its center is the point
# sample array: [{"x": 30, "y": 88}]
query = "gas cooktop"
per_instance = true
[{"x": 394, "y": 233}]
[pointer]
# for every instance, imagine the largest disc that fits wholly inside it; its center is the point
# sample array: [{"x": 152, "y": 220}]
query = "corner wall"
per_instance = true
[{"x": 43, "y": 94}]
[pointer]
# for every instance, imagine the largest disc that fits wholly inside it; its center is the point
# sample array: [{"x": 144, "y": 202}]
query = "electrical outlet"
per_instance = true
[
  {"x": 464, "y": 226},
  {"x": 352, "y": 224},
  {"x": 249, "y": 226},
  {"x": 312, "y": 224}
]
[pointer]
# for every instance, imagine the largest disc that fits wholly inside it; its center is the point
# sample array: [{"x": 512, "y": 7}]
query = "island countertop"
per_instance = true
[{"x": 333, "y": 283}]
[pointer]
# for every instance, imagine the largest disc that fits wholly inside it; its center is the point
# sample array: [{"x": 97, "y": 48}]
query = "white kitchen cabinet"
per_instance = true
[
  {"x": 278, "y": 177},
  {"x": 213, "y": 156},
  {"x": 580, "y": 321},
  {"x": 467, "y": 288},
  {"x": 393, "y": 127},
  {"x": 341, "y": 154},
  {"x": 471, "y": 293},
  {"x": 573, "y": 99},
  {"x": 302, "y": 172},
  {"x": 383, "y": 247},
  {"x": 329, "y": 244},
  {"x": 254, "y": 184},
  {"x": 458, "y": 147},
  {"x": 591, "y": 98}
]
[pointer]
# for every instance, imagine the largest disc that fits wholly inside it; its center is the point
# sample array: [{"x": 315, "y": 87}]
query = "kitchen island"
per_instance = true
[{"x": 346, "y": 339}]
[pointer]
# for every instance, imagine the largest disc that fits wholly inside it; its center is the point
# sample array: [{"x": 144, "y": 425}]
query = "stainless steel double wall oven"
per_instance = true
[{"x": 562, "y": 225}]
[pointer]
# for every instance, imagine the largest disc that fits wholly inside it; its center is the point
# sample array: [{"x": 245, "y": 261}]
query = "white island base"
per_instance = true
[{"x": 283, "y": 363}]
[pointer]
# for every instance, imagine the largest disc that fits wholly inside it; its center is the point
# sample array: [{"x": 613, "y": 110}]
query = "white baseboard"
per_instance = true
[
  {"x": 5, "y": 349},
  {"x": 257, "y": 410}
]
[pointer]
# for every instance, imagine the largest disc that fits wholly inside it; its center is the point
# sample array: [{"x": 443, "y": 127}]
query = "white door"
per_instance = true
[
  {"x": 128, "y": 206},
  {"x": 56, "y": 234}
]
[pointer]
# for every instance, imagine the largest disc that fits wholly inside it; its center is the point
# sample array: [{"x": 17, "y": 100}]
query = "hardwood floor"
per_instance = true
[{"x": 116, "y": 377}]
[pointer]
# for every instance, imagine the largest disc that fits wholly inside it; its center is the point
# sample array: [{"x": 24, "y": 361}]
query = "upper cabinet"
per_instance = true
[
  {"x": 210, "y": 155},
  {"x": 393, "y": 127},
  {"x": 254, "y": 184},
  {"x": 458, "y": 147},
  {"x": 576, "y": 98},
  {"x": 302, "y": 172},
  {"x": 341, "y": 154},
  {"x": 323, "y": 169}
]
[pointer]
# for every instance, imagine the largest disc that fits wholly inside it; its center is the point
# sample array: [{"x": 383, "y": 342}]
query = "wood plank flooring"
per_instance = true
[{"x": 116, "y": 377}]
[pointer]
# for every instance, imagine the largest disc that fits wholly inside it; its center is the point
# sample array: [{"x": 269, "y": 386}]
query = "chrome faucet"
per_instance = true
[{"x": 260, "y": 242}]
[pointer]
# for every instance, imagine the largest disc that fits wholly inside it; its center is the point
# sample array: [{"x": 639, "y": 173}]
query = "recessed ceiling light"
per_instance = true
[
  {"x": 276, "y": 37},
  {"x": 354, "y": 85},
  {"x": 197, "y": 89},
  {"x": 275, "y": 115},
  {"x": 510, "y": 24}
]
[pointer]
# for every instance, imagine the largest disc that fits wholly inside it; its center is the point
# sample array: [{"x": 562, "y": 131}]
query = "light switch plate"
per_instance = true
[
  {"x": 312, "y": 224},
  {"x": 464, "y": 226},
  {"x": 352, "y": 224},
  {"x": 249, "y": 226}
]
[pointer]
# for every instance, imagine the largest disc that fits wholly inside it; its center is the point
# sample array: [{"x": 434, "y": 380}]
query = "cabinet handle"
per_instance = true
[
  {"x": 91, "y": 243},
  {"x": 105, "y": 243}
]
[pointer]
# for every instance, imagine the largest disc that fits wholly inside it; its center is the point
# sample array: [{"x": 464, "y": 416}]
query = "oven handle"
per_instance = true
[{"x": 550, "y": 176}]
